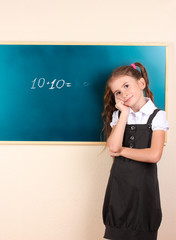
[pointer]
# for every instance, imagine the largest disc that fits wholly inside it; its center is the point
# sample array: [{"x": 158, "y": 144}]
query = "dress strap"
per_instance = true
[
  {"x": 119, "y": 113},
  {"x": 149, "y": 122}
]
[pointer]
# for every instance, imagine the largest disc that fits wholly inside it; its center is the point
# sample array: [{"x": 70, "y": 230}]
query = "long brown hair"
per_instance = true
[{"x": 109, "y": 100}]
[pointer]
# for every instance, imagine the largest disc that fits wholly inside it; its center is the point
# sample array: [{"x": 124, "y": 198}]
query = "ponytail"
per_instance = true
[{"x": 148, "y": 93}]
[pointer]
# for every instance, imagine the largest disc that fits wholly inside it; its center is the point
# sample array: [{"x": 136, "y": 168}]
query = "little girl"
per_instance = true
[{"x": 135, "y": 136}]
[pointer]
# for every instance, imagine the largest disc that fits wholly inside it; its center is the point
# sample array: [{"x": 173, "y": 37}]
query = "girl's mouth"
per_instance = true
[{"x": 128, "y": 99}]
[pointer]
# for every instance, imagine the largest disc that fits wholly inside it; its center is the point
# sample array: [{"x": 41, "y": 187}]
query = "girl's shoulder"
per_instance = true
[
  {"x": 160, "y": 121},
  {"x": 161, "y": 115},
  {"x": 115, "y": 113},
  {"x": 115, "y": 116}
]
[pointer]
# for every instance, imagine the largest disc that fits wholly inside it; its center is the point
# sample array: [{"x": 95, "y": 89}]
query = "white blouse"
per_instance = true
[{"x": 159, "y": 121}]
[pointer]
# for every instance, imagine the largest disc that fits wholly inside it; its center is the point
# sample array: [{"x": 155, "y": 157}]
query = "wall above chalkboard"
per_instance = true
[{"x": 54, "y": 93}]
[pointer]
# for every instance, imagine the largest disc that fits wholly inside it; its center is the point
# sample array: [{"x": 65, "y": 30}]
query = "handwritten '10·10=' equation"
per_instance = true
[{"x": 40, "y": 82}]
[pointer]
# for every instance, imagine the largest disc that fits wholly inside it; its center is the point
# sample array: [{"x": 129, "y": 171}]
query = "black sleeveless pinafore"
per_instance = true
[{"x": 132, "y": 209}]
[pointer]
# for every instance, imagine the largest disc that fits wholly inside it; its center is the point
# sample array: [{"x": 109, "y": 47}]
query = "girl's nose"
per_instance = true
[{"x": 124, "y": 94}]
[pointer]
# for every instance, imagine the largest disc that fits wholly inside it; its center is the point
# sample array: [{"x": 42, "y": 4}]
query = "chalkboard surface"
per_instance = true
[{"x": 55, "y": 92}]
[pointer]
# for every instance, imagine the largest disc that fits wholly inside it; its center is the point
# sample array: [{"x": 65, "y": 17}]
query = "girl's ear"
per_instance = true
[{"x": 142, "y": 83}]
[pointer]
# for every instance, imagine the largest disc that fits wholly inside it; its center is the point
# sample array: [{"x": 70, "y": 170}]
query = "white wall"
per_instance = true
[{"x": 56, "y": 191}]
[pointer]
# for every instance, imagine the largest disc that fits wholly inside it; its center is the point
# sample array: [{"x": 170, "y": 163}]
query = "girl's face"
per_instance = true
[{"x": 129, "y": 90}]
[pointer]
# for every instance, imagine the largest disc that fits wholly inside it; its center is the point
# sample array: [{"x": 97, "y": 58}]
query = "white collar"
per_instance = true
[{"x": 147, "y": 108}]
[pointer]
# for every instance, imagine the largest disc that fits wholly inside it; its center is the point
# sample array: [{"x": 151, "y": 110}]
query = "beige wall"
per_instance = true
[{"x": 56, "y": 191}]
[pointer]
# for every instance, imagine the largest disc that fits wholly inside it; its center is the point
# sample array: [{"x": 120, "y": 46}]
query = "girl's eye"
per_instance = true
[
  {"x": 126, "y": 85},
  {"x": 117, "y": 93}
]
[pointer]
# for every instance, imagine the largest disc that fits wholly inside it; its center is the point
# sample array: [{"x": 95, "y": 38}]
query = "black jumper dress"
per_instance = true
[{"x": 132, "y": 209}]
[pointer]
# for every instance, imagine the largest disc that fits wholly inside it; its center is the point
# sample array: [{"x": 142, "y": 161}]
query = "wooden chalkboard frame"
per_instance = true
[{"x": 88, "y": 43}]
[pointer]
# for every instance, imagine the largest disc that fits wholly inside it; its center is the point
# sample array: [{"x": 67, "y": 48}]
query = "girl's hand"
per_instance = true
[{"x": 121, "y": 106}]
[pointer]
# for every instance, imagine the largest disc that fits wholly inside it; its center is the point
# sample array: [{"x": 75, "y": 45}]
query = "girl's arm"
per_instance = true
[
  {"x": 151, "y": 155},
  {"x": 115, "y": 139}
]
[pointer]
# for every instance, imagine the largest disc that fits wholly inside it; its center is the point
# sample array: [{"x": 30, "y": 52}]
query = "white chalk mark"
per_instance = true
[
  {"x": 68, "y": 84},
  {"x": 86, "y": 84},
  {"x": 63, "y": 82},
  {"x": 41, "y": 82}
]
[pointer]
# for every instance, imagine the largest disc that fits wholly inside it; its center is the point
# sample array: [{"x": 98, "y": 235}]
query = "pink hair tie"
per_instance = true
[{"x": 133, "y": 65}]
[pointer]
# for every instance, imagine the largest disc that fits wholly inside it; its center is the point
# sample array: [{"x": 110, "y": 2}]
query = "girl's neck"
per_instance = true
[{"x": 139, "y": 104}]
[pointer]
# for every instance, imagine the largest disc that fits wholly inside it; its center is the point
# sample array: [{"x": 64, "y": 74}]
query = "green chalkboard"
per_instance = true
[{"x": 55, "y": 92}]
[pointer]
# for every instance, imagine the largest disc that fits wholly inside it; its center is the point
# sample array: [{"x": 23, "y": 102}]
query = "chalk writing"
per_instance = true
[{"x": 40, "y": 82}]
